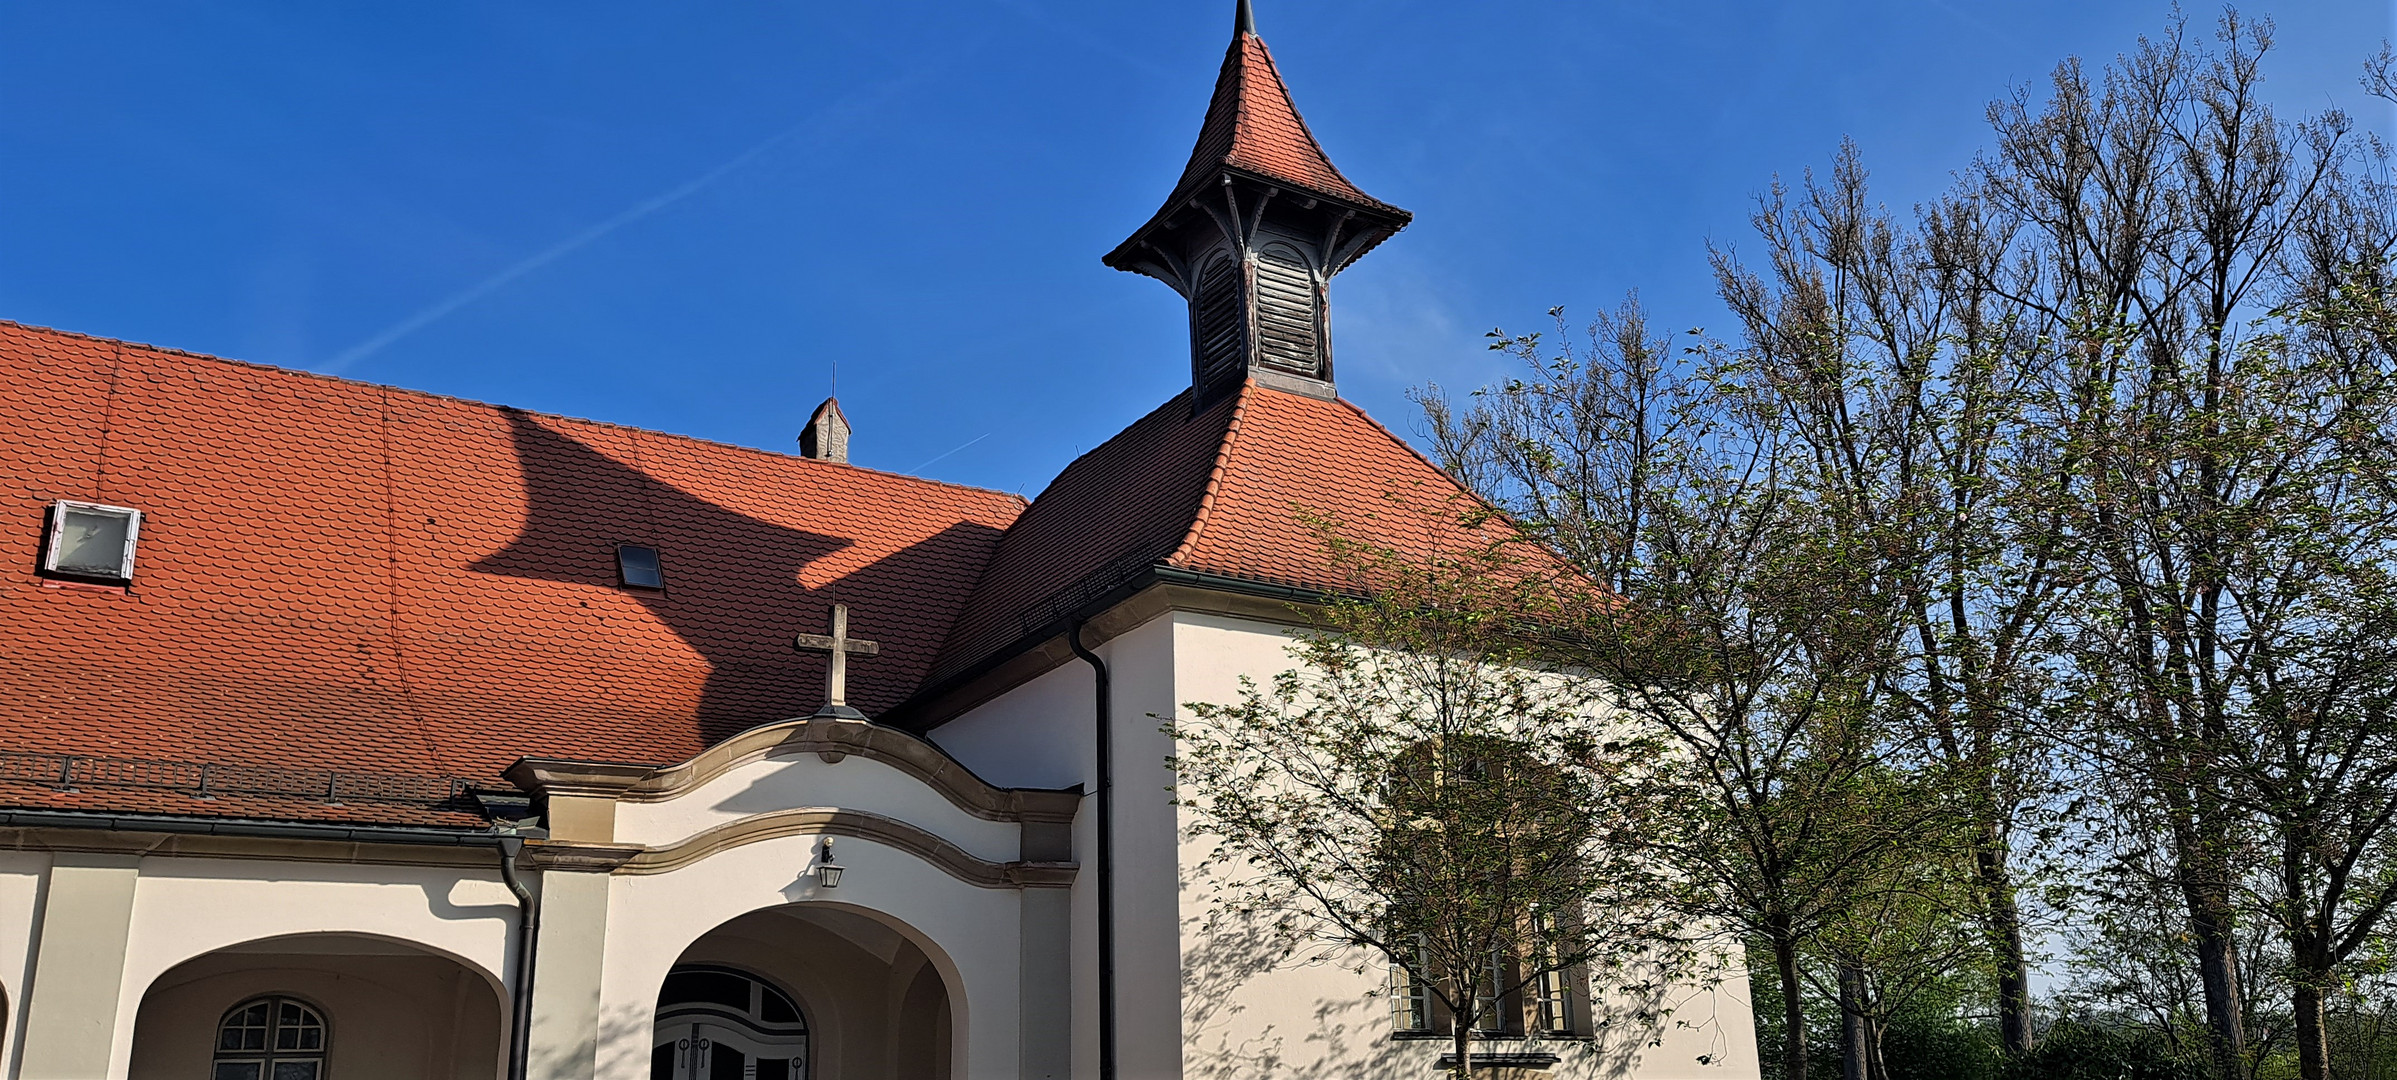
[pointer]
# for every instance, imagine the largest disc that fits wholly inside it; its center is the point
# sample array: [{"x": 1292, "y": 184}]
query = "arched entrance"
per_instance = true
[
  {"x": 721, "y": 1023},
  {"x": 803, "y": 992},
  {"x": 320, "y": 1007}
]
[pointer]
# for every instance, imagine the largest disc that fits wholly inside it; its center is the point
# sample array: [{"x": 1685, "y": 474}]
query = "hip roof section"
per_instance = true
[
  {"x": 1243, "y": 488},
  {"x": 362, "y": 588}
]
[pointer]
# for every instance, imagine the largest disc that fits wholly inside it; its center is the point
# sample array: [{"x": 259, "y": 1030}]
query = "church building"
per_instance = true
[{"x": 350, "y": 732}]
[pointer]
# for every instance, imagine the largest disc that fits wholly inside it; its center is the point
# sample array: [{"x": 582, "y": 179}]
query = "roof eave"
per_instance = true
[
  {"x": 1377, "y": 214},
  {"x": 917, "y": 714}
]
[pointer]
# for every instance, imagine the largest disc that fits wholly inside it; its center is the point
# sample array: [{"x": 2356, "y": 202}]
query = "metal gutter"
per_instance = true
[
  {"x": 528, "y": 940},
  {"x": 275, "y": 830},
  {"x": 1104, "y": 753},
  {"x": 1200, "y": 579}
]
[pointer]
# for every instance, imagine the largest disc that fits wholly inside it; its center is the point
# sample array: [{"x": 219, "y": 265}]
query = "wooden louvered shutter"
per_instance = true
[
  {"x": 1286, "y": 317},
  {"x": 1217, "y": 319}
]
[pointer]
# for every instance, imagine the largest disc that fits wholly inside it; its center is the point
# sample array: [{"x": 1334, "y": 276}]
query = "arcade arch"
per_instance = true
[
  {"x": 380, "y": 1009},
  {"x": 870, "y": 1001}
]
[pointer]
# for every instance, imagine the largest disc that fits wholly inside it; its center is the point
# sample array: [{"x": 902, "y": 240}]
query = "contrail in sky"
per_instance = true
[
  {"x": 937, "y": 457},
  {"x": 830, "y": 118}
]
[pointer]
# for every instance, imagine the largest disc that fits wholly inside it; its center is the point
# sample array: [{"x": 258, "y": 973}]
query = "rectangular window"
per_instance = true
[
  {"x": 637, "y": 566},
  {"x": 1410, "y": 1002},
  {"x": 1490, "y": 997},
  {"x": 88, "y": 540},
  {"x": 1555, "y": 1003},
  {"x": 1552, "y": 992}
]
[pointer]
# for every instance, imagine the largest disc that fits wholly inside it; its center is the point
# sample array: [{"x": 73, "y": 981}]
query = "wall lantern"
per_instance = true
[{"x": 827, "y": 871}]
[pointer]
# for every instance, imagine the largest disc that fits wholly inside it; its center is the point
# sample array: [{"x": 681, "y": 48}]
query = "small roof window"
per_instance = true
[
  {"x": 88, "y": 540},
  {"x": 637, "y": 566}
]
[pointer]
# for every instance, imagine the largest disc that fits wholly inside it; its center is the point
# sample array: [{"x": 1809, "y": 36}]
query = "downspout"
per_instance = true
[
  {"x": 528, "y": 933},
  {"x": 1106, "y": 853}
]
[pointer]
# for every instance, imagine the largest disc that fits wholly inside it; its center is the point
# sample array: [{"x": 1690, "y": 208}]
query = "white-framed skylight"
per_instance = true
[{"x": 91, "y": 540}]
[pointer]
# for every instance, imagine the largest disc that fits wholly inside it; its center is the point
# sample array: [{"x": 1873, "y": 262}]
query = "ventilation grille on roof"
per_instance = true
[
  {"x": 1286, "y": 338},
  {"x": 1217, "y": 320}
]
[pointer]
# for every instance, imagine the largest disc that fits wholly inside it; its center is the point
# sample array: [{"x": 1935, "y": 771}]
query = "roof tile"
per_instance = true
[
  {"x": 349, "y": 577},
  {"x": 1253, "y": 125}
]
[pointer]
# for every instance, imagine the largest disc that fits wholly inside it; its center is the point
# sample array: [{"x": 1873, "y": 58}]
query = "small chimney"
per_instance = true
[{"x": 826, "y": 437}]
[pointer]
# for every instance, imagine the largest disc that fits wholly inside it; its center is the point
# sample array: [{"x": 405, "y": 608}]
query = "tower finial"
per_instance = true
[{"x": 1244, "y": 21}]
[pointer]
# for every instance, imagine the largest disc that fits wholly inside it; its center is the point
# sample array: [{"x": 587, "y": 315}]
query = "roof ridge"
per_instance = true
[
  {"x": 1103, "y": 443},
  {"x": 429, "y": 395},
  {"x": 1215, "y": 473},
  {"x": 1493, "y": 509}
]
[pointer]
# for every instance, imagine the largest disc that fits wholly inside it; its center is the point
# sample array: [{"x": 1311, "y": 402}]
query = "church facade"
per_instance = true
[{"x": 349, "y": 732}]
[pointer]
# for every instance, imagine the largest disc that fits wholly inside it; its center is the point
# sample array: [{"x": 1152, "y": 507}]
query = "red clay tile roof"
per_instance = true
[
  {"x": 1252, "y": 125},
  {"x": 1116, "y": 511},
  {"x": 1226, "y": 491},
  {"x": 1290, "y": 456},
  {"x": 344, "y": 577},
  {"x": 405, "y": 589}
]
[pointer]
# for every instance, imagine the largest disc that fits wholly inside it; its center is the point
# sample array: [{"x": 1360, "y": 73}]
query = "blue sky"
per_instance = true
[{"x": 682, "y": 217}]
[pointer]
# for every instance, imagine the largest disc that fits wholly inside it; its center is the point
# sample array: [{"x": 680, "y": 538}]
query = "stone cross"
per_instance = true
[{"x": 841, "y": 646}]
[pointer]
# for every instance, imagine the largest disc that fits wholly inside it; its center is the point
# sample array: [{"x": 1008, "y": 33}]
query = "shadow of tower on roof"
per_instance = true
[{"x": 734, "y": 591}]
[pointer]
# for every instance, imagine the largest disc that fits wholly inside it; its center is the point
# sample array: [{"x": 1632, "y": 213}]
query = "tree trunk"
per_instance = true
[
  {"x": 2004, "y": 924},
  {"x": 1855, "y": 1042},
  {"x": 1461, "y": 1032},
  {"x": 2313, "y": 1044},
  {"x": 2218, "y": 973},
  {"x": 1793, "y": 1012}
]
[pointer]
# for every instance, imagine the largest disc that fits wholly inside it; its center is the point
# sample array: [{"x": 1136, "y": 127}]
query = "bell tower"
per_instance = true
[{"x": 1254, "y": 231}]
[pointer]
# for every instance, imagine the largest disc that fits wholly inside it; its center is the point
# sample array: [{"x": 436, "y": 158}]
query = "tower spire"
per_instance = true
[{"x": 1254, "y": 230}]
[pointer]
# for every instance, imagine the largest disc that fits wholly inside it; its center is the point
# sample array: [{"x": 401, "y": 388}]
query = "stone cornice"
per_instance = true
[
  {"x": 558, "y": 776},
  {"x": 804, "y": 821},
  {"x": 577, "y": 857}
]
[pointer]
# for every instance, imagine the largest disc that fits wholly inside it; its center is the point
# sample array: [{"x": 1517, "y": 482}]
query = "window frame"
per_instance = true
[
  {"x": 53, "y": 543},
  {"x": 1410, "y": 1000},
  {"x": 1552, "y": 1000},
  {"x": 657, "y": 561},
  {"x": 1555, "y": 1000},
  {"x": 1500, "y": 1014},
  {"x": 267, "y": 1057}
]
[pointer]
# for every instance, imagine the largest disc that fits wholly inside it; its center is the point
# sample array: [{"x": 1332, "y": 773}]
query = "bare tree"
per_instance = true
[
  {"x": 2234, "y": 469},
  {"x": 1910, "y": 377},
  {"x": 1742, "y": 622}
]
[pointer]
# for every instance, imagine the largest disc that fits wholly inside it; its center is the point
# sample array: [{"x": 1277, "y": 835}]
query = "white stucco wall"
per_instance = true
[
  {"x": 1188, "y": 1006},
  {"x": 186, "y": 908},
  {"x": 388, "y": 1016},
  {"x": 1041, "y": 734},
  {"x": 21, "y": 875},
  {"x": 1037, "y": 735},
  {"x": 1322, "y": 1018}
]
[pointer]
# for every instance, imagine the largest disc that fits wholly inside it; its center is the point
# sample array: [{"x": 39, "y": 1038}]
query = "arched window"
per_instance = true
[
  {"x": 717, "y": 1023},
  {"x": 270, "y": 1038}
]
